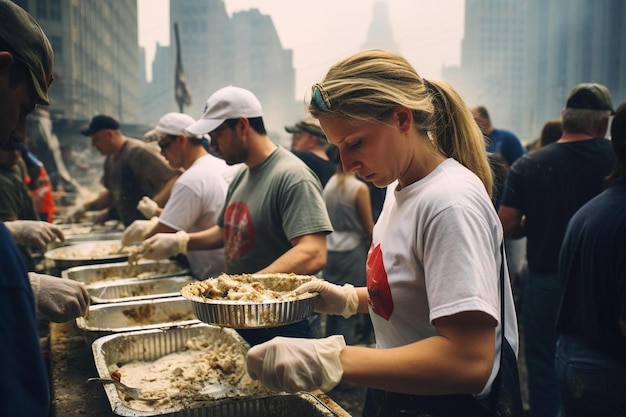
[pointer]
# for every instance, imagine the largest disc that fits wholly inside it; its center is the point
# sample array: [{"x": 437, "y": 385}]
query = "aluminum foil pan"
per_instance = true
[
  {"x": 90, "y": 274},
  {"x": 148, "y": 345},
  {"x": 155, "y": 313},
  {"x": 134, "y": 289},
  {"x": 86, "y": 253},
  {"x": 240, "y": 314}
]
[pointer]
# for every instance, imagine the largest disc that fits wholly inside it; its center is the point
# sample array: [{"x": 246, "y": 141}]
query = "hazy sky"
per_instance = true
[{"x": 428, "y": 32}]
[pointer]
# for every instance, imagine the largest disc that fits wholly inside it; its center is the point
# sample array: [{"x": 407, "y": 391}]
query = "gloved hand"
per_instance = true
[
  {"x": 332, "y": 299},
  {"x": 292, "y": 365},
  {"x": 75, "y": 213},
  {"x": 137, "y": 230},
  {"x": 58, "y": 299},
  {"x": 34, "y": 233},
  {"x": 165, "y": 245},
  {"x": 148, "y": 207}
]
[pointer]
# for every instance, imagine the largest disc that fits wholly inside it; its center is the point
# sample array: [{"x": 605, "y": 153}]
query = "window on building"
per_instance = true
[
  {"x": 57, "y": 47},
  {"x": 55, "y": 10},
  {"x": 42, "y": 9}
]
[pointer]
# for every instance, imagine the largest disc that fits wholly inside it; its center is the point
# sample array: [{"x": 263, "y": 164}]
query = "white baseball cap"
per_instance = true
[
  {"x": 169, "y": 124},
  {"x": 226, "y": 103}
]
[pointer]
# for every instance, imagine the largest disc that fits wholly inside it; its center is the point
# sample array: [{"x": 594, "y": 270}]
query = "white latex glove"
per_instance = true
[
  {"x": 148, "y": 207},
  {"x": 165, "y": 245},
  {"x": 292, "y": 365},
  {"x": 137, "y": 230},
  {"x": 34, "y": 232},
  {"x": 75, "y": 213},
  {"x": 332, "y": 299},
  {"x": 58, "y": 299}
]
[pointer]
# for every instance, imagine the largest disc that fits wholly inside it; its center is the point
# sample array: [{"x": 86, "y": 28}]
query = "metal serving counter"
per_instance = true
[{"x": 71, "y": 363}]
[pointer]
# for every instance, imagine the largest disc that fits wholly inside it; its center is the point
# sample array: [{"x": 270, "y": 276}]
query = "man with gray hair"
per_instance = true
[
  {"x": 543, "y": 190},
  {"x": 25, "y": 74}
]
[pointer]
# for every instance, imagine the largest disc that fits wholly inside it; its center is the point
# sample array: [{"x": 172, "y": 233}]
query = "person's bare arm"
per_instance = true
[
  {"x": 159, "y": 228},
  {"x": 307, "y": 256},
  {"x": 102, "y": 201},
  {"x": 512, "y": 222},
  {"x": 457, "y": 360},
  {"x": 162, "y": 196},
  {"x": 622, "y": 326},
  {"x": 211, "y": 238}
]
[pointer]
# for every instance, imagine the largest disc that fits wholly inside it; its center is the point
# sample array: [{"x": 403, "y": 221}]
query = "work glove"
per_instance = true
[
  {"x": 332, "y": 299},
  {"x": 165, "y": 245},
  {"x": 75, "y": 213},
  {"x": 292, "y": 365},
  {"x": 138, "y": 230},
  {"x": 57, "y": 299},
  {"x": 148, "y": 207},
  {"x": 34, "y": 233}
]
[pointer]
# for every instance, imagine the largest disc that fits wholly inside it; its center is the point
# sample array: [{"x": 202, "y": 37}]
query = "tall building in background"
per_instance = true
[
  {"x": 520, "y": 59},
  {"x": 218, "y": 50},
  {"x": 380, "y": 32},
  {"x": 96, "y": 56}
]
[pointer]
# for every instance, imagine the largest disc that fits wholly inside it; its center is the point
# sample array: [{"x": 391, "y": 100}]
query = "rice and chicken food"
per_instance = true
[{"x": 250, "y": 300}]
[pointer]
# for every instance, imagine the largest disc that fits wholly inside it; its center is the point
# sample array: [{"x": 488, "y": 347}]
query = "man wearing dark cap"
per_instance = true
[
  {"x": 132, "y": 169},
  {"x": 25, "y": 75},
  {"x": 309, "y": 143},
  {"x": 543, "y": 190}
]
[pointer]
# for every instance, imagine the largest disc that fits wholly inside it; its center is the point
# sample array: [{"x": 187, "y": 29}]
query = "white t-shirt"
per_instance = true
[
  {"x": 195, "y": 203},
  {"x": 435, "y": 253}
]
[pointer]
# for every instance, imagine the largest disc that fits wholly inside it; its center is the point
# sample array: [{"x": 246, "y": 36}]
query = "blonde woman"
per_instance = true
[{"x": 435, "y": 269}]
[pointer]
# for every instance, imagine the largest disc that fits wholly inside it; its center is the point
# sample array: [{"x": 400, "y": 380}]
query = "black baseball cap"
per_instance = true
[
  {"x": 99, "y": 123},
  {"x": 590, "y": 96}
]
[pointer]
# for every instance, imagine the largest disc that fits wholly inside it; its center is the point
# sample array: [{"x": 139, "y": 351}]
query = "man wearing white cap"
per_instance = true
[
  {"x": 197, "y": 196},
  {"x": 274, "y": 219}
]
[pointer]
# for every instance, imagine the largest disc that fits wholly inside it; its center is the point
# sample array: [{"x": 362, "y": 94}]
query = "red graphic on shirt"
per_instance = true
[
  {"x": 239, "y": 234},
  {"x": 378, "y": 285}
]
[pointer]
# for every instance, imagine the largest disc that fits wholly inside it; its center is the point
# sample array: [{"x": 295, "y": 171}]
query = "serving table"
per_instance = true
[{"x": 71, "y": 363}]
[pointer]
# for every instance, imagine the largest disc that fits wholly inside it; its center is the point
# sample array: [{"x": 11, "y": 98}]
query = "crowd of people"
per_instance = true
[{"x": 422, "y": 219}]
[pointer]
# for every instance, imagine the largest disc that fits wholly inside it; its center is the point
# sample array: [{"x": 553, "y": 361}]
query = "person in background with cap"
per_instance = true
[
  {"x": 132, "y": 169},
  {"x": 274, "y": 218},
  {"x": 591, "y": 322},
  {"x": 309, "y": 143},
  {"x": 197, "y": 197},
  {"x": 25, "y": 74},
  {"x": 543, "y": 190}
]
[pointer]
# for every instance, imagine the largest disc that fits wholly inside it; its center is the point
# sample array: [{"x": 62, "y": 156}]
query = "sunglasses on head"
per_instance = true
[
  {"x": 164, "y": 146},
  {"x": 320, "y": 98}
]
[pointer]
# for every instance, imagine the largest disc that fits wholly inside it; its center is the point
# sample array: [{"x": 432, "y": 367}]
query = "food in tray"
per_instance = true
[
  {"x": 144, "y": 314},
  {"x": 89, "y": 251},
  {"x": 252, "y": 288},
  {"x": 180, "y": 377}
]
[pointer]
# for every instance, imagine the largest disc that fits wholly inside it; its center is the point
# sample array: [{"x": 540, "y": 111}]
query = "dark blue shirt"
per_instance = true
[
  {"x": 593, "y": 271},
  {"x": 506, "y": 144},
  {"x": 24, "y": 387}
]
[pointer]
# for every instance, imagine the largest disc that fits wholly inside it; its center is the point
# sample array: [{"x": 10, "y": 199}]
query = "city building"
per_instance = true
[
  {"x": 218, "y": 50},
  {"x": 96, "y": 54},
  {"x": 520, "y": 59}
]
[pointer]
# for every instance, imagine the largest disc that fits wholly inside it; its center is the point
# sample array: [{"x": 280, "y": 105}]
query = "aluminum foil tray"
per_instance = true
[
  {"x": 134, "y": 289},
  {"x": 247, "y": 314},
  {"x": 86, "y": 253},
  {"x": 155, "y": 313},
  {"x": 89, "y": 274},
  {"x": 122, "y": 348}
]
